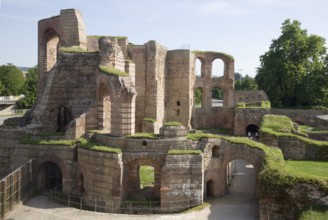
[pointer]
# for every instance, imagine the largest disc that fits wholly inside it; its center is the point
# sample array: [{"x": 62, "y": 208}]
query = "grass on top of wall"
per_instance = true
[
  {"x": 74, "y": 49},
  {"x": 273, "y": 172},
  {"x": 152, "y": 120},
  {"x": 29, "y": 140},
  {"x": 282, "y": 126},
  {"x": 308, "y": 169},
  {"x": 91, "y": 145},
  {"x": 314, "y": 214},
  {"x": 304, "y": 129},
  {"x": 184, "y": 152},
  {"x": 144, "y": 135},
  {"x": 112, "y": 71},
  {"x": 173, "y": 123}
]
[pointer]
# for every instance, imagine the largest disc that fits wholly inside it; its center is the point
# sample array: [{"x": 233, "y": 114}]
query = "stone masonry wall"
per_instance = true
[
  {"x": 303, "y": 116},
  {"x": 249, "y": 96},
  {"x": 181, "y": 182},
  {"x": 102, "y": 178},
  {"x": 138, "y": 55},
  {"x": 179, "y": 81},
  {"x": 155, "y": 83}
]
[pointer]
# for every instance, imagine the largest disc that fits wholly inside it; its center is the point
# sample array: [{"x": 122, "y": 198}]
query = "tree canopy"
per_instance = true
[
  {"x": 29, "y": 89},
  {"x": 11, "y": 80},
  {"x": 245, "y": 83},
  {"x": 294, "y": 70}
]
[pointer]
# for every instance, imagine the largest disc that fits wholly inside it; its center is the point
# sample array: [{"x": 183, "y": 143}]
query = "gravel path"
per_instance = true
[{"x": 238, "y": 204}]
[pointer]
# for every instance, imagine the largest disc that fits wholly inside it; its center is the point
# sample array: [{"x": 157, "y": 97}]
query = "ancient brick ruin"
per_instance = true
[{"x": 79, "y": 91}]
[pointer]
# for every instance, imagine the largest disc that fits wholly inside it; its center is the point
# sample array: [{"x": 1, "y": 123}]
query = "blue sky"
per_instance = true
[{"x": 242, "y": 28}]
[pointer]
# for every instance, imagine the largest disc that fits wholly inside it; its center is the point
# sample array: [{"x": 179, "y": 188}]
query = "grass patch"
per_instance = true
[
  {"x": 30, "y": 140},
  {"x": 282, "y": 126},
  {"x": 308, "y": 169},
  {"x": 74, "y": 49},
  {"x": 173, "y": 123},
  {"x": 112, "y": 71},
  {"x": 304, "y": 129},
  {"x": 152, "y": 120},
  {"x": 91, "y": 145},
  {"x": 47, "y": 134},
  {"x": 224, "y": 54},
  {"x": 144, "y": 135},
  {"x": 184, "y": 152},
  {"x": 147, "y": 177},
  {"x": 262, "y": 104},
  {"x": 314, "y": 214},
  {"x": 197, "y": 208},
  {"x": 216, "y": 130}
]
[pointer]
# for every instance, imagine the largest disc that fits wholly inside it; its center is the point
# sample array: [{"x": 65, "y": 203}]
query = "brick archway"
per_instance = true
[{"x": 54, "y": 165}]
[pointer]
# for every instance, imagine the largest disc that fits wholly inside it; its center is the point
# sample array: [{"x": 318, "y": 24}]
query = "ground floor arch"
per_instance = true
[
  {"x": 49, "y": 177},
  {"x": 252, "y": 131}
]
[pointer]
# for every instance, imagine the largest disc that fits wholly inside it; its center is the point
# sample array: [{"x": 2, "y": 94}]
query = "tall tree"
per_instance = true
[
  {"x": 246, "y": 83},
  {"x": 29, "y": 89},
  {"x": 291, "y": 70},
  {"x": 12, "y": 80}
]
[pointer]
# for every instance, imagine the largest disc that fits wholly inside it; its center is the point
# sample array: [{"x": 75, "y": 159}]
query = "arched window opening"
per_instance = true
[
  {"x": 50, "y": 177},
  {"x": 217, "y": 97},
  {"x": 210, "y": 188},
  {"x": 252, "y": 131},
  {"x": 147, "y": 176},
  {"x": 104, "y": 109},
  {"x": 144, "y": 143},
  {"x": 215, "y": 151},
  {"x": 63, "y": 119},
  {"x": 81, "y": 183},
  {"x": 217, "y": 68},
  {"x": 198, "y": 97},
  {"x": 52, "y": 41},
  {"x": 198, "y": 68}
]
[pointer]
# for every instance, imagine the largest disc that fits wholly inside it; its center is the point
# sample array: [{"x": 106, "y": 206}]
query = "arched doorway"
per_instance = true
[
  {"x": 217, "y": 68},
  {"x": 63, "y": 119},
  {"x": 210, "y": 188},
  {"x": 198, "y": 97},
  {"x": 104, "y": 109},
  {"x": 217, "y": 97},
  {"x": 252, "y": 131},
  {"x": 52, "y": 43},
  {"x": 50, "y": 177}
]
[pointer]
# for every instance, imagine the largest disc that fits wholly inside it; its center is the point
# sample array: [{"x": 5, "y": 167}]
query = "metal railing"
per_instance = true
[
  {"x": 14, "y": 112},
  {"x": 16, "y": 187},
  {"x": 126, "y": 207}
]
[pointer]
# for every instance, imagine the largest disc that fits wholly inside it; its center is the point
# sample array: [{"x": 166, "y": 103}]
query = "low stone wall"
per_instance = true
[
  {"x": 181, "y": 182},
  {"x": 101, "y": 175},
  {"x": 294, "y": 148},
  {"x": 287, "y": 202},
  {"x": 318, "y": 136},
  {"x": 301, "y": 116}
]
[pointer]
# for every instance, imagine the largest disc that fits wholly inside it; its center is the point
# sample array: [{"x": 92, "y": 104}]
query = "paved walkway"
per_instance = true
[{"x": 239, "y": 203}]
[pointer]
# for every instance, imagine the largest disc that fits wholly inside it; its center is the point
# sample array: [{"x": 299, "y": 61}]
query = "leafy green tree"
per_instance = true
[
  {"x": 30, "y": 89},
  {"x": 246, "y": 83},
  {"x": 290, "y": 72},
  {"x": 217, "y": 93},
  {"x": 238, "y": 76},
  {"x": 198, "y": 96},
  {"x": 12, "y": 80}
]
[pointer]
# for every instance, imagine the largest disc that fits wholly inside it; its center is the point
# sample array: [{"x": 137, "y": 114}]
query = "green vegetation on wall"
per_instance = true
[
  {"x": 112, "y": 71},
  {"x": 92, "y": 145},
  {"x": 172, "y": 123}
]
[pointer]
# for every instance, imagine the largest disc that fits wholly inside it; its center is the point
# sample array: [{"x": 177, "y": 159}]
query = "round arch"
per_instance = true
[
  {"x": 49, "y": 177},
  {"x": 252, "y": 131},
  {"x": 210, "y": 188},
  {"x": 51, "y": 42}
]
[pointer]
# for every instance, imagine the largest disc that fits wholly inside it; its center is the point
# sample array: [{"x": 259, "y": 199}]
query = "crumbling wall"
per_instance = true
[
  {"x": 249, "y": 96},
  {"x": 102, "y": 178},
  {"x": 179, "y": 83}
]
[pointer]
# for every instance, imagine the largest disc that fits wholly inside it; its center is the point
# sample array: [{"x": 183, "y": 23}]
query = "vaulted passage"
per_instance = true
[
  {"x": 240, "y": 201},
  {"x": 49, "y": 177}
]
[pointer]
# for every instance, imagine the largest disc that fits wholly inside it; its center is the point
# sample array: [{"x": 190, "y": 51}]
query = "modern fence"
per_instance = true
[
  {"x": 127, "y": 207},
  {"x": 16, "y": 187}
]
